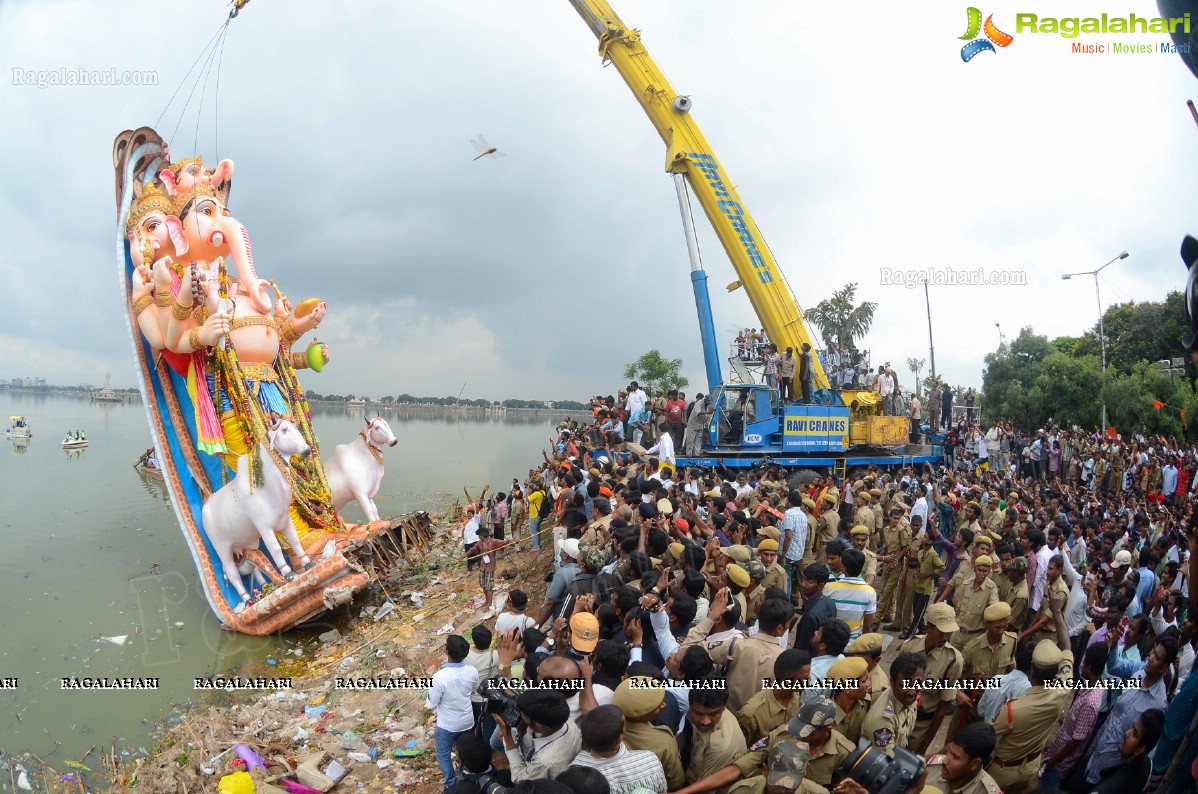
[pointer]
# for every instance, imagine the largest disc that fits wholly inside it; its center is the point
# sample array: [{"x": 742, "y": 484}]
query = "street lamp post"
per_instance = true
[
  {"x": 1101, "y": 328},
  {"x": 1001, "y": 338},
  {"x": 1172, "y": 368}
]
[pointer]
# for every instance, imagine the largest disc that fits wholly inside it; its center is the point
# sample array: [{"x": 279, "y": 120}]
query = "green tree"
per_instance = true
[
  {"x": 916, "y": 365},
  {"x": 654, "y": 371},
  {"x": 839, "y": 319}
]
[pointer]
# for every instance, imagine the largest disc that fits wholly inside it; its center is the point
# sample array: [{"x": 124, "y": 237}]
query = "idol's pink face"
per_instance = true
[{"x": 156, "y": 229}]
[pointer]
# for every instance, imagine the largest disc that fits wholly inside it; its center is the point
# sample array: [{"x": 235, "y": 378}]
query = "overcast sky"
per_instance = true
[{"x": 858, "y": 143}]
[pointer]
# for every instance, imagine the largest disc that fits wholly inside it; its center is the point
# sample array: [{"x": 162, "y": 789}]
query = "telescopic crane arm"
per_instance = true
[{"x": 688, "y": 153}]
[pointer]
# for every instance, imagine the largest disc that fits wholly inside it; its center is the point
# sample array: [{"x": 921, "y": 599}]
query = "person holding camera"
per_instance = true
[{"x": 546, "y": 741}]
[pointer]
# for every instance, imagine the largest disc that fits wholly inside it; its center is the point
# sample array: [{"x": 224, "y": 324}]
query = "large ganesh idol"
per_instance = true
[{"x": 213, "y": 342}]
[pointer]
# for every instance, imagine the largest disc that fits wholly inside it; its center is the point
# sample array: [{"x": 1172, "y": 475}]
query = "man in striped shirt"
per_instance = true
[
  {"x": 855, "y": 601},
  {"x": 626, "y": 770}
]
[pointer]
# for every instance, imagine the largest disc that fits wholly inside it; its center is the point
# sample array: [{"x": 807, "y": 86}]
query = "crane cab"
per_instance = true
[{"x": 751, "y": 417}]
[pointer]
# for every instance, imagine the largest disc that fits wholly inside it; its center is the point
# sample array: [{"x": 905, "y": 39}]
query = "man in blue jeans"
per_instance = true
[{"x": 449, "y": 697}]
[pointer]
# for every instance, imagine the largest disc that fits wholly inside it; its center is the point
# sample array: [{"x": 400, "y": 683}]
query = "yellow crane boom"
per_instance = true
[{"x": 688, "y": 153}]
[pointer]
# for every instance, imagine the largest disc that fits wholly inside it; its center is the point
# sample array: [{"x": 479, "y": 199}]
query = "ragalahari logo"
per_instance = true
[{"x": 993, "y": 36}]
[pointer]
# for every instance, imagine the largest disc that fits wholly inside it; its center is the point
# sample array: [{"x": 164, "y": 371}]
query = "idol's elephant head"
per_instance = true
[
  {"x": 183, "y": 176},
  {"x": 210, "y": 232},
  {"x": 153, "y": 229}
]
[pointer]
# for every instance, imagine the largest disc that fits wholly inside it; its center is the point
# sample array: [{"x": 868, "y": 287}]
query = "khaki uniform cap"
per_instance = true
[
  {"x": 849, "y": 668},
  {"x": 737, "y": 575},
  {"x": 997, "y": 611},
  {"x": 737, "y": 552},
  {"x": 638, "y": 696}
]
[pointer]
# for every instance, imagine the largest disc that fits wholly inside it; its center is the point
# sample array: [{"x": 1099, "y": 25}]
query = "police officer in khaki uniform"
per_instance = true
[
  {"x": 827, "y": 527},
  {"x": 972, "y": 600},
  {"x": 1041, "y": 627},
  {"x": 869, "y": 647},
  {"x": 890, "y": 720},
  {"x": 776, "y": 705},
  {"x": 641, "y": 702},
  {"x": 775, "y": 574},
  {"x": 869, "y": 572},
  {"x": 875, "y": 506},
  {"x": 961, "y": 770},
  {"x": 812, "y": 726},
  {"x": 864, "y": 516},
  {"x": 738, "y": 575},
  {"x": 964, "y": 574},
  {"x": 1018, "y": 596},
  {"x": 905, "y": 611},
  {"x": 945, "y": 665},
  {"x": 1027, "y": 722},
  {"x": 998, "y": 574},
  {"x": 785, "y": 769},
  {"x": 895, "y": 536},
  {"x": 986, "y": 656},
  {"x": 971, "y": 517},
  {"x": 851, "y": 683},
  {"x": 808, "y": 508},
  {"x": 747, "y": 660}
]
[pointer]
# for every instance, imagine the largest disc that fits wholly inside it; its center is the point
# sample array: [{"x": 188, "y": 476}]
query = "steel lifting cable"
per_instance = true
[
  {"x": 188, "y": 73},
  {"x": 204, "y": 89}
]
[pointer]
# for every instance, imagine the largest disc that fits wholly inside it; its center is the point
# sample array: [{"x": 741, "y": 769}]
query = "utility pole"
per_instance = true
[{"x": 931, "y": 347}]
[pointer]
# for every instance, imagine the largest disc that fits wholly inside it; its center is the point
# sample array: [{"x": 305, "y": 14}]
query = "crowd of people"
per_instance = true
[{"x": 1020, "y": 622}]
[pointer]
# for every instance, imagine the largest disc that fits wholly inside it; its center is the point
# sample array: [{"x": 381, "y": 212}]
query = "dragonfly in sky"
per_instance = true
[{"x": 485, "y": 149}]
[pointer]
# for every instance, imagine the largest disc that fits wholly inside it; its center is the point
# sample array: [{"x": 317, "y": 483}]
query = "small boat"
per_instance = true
[
  {"x": 70, "y": 442},
  {"x": 19, "y": 428},
  {"x": 150, "y": 470}
]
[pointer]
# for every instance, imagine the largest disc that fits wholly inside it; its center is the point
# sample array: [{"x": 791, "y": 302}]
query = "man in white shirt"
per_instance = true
[
  {"x": 1043, "y": 555},
  {"x": 920, "y": 508},
  {"x": 470, "y": 533},
  {"x": 636, "y": 398},
  {"x": 886, "y": 390},
  {"x": 983, "y": 450},
  {"x": 663, "y": 449},
  {"x": 449, "y": 697}
]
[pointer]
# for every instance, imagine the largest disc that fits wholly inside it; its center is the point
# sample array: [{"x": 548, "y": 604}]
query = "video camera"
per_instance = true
[
  {"x": 880, "y": 774},
  {"x": 501, "y": 703}
]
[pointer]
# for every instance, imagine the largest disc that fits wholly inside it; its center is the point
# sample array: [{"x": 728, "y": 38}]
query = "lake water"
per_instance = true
[{"x": 92, "y": 551}]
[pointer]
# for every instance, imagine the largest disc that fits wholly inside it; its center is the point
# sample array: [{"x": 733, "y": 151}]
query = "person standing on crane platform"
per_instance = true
[{"x": 786, "y": 376}]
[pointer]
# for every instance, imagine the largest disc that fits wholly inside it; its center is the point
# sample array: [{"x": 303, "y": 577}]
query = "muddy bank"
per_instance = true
[{"x": 381, "y": 736}]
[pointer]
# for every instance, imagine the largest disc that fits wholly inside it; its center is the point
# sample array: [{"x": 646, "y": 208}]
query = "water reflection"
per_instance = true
[
  {"x": 19, "y": 445},
  {"x": 75, "y": 454},
  {"x": 154, "y": 484}
]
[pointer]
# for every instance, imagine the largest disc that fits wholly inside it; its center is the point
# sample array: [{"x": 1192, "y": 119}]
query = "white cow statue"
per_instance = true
[
  {"x": 240, "y": 514},
  {"x": 355, "y": 470}
]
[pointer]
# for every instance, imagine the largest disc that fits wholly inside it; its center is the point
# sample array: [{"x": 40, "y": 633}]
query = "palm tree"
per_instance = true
[
  {"x": 839, "y": 320},
  {"x": 915, "y": 365}
]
